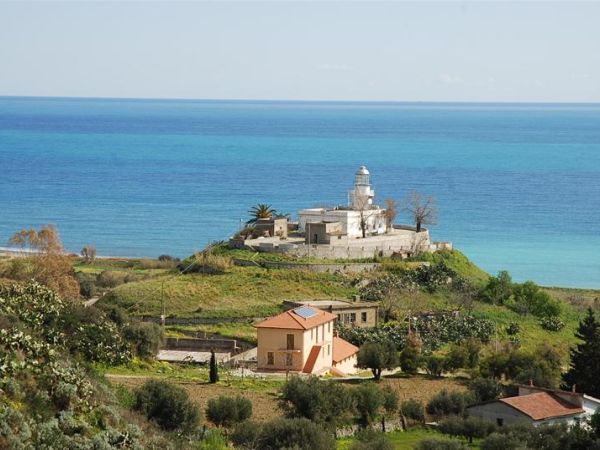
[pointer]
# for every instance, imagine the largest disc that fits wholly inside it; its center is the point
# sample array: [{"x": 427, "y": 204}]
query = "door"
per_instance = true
[{"x": 290, "y": 342}]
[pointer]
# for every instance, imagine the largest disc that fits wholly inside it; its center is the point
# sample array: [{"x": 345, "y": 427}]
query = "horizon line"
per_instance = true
[{"x": 248, "y": 100}]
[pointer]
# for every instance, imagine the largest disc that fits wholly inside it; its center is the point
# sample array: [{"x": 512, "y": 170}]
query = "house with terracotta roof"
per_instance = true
[
  {"x": 303, "y": 340},
  {"x": 537, "y": 406}
]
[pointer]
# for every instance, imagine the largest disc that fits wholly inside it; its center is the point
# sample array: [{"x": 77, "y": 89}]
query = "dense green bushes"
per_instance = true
[
  {"x": 319, "y": 401},
  {"x": 146, "y": 338},
  {"x": 434, "y": 331},
  {"x": 542, "y": 366},
  {"x": 413, "y": 410},
  {"x": 377, "y": 356},
  {"x": 228, "y": 411},
  {"x": 446, "y": 403},
  {"x": 168, "y": 405},
  {"x": 296, "y": 433}
]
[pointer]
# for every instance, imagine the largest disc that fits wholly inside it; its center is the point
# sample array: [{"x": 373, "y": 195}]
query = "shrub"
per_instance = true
[
  {"x": 316, "y": 400},
  {"x": 498, "y": 289},
  {"x": 433, "y": 331},
  {"x": 410, "y": 356},
  {"x": 377, "y": 356},
  {"x": 371, "y": 440},
  {"x": 513, "y": 328},
  {"x": 87, "y": 288},
  {"x": 485, "y": 389},
  {"x": 168, "y": 405},
  {"x": 502, "y": 441},
  {"x": 469, "y": 427},
  {"x": 552, "y": 323},
  {"x": 228, "y": 411},
  {"x": 300, "y": 434},
  {"x": 435, "y": 365},
  {"x": 529, "y": 298},
  {"x": 413, "y": 410},
  {"x": 445, "y": 403},
  {"x": 440, "y": 444},
  {"x": 111, "y": 278},
  {"x": 543, "y": 366},
  {"x": 369, "y": 400},
  {"x": 146, "y": 338}
]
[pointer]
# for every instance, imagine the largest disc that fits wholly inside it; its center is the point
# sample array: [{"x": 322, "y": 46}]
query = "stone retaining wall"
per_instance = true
[{"x": 313, "y": 267}]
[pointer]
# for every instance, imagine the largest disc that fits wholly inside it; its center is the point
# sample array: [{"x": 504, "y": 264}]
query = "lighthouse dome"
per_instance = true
[{"x": 362, "y": 177}]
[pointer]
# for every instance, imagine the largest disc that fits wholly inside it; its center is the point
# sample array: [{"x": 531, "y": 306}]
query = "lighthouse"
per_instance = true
[{"x": 361, "y": 197}]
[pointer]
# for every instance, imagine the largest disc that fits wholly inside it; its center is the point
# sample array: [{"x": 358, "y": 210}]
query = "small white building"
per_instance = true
[
  {"x": 349, "y": 217},
  {"x": 537, "y": 406}
]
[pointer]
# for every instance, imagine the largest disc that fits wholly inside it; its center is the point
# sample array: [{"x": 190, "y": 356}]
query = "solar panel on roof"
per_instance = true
[{"x": 305, "y": 312}]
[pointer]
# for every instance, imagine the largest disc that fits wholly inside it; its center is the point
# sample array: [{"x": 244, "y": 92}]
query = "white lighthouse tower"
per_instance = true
[{"x": 361, "y": 197}]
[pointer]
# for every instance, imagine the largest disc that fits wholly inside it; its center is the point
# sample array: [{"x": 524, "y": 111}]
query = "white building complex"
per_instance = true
[{"x": 357, "y": 230}]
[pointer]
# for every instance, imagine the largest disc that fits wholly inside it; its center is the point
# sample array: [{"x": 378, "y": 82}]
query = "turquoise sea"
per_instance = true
[{"x": 518, "y": 185}]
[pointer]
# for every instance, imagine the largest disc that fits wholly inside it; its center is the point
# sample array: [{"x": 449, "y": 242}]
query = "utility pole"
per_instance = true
[
  {"x": 308, "y": 235},
  {"x": 163, "y": 317}
]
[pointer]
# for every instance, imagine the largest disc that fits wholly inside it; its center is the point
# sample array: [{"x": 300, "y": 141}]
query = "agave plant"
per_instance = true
[{"x": 260, "y": 211}]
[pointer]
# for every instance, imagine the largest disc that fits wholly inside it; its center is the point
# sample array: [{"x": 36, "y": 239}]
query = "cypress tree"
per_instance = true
[
  {"x": 584, "y": 369},
  {"x": 213, "y": 374}
]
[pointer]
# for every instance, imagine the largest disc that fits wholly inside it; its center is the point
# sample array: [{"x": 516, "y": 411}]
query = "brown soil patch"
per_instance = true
[
  {"x": 422, "y": 388},
  {"x": 264, "y": 403}
]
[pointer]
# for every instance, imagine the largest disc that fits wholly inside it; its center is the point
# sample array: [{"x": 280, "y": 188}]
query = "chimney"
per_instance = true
[{"x": 574, "y": 388}]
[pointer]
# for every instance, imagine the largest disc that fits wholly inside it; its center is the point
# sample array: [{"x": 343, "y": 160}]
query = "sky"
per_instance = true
[{"x": 307, "y": 50}]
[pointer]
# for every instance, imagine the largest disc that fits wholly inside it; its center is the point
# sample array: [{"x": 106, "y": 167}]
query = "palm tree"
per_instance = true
[{"x": 260, "y": 211}]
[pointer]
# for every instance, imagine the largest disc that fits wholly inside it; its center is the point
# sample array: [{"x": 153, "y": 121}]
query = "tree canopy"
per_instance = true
[{"x": 584, "y": 369}]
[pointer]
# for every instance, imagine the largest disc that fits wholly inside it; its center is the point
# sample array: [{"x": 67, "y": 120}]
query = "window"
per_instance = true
[
  {"x": 288, "y": 359},
  {"x": 328, "y": 350},
  {"x": 311, "y": 333},
  {"x": 270, "y": 358},
  {"x": 290, "y": 342},
  {"x": 329, "y": 327},
  {"x": 363, "y": 316},
  {"x": 352, "y": 317},
  {"x": 499, "y": 421}
]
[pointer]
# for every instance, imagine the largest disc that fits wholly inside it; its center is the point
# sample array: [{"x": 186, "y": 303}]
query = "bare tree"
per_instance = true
[
  {"x": 88, "y": 254},
  {"x": 365, "y": 210},
  {"x": 422, "y": 210},
  {"x": 391, "y": 211},
  {"x": 47, "y": 263}
]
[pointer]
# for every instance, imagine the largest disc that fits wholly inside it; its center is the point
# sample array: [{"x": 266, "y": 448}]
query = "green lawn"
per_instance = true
[
  {"x": 402, "y": 440},
  {"x": 241, "y": 292},
  {"x": 231, "y": 330}
]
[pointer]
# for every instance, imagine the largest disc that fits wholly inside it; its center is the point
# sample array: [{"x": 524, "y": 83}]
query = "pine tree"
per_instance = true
[
  {"x": 584, "y": 370},
  {"x": 214, "y": 371}
]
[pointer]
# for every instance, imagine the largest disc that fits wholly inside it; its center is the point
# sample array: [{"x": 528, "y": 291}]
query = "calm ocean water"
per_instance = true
[{"x": 518, "y": 185}]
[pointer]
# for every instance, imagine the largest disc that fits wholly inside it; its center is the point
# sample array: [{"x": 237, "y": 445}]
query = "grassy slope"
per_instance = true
[
  {"x": 242, "y": 292},
  {"x": 256, "y": 292}
]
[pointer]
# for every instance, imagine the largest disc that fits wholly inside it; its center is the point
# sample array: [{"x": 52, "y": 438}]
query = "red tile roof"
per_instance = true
[
  {"x": 342, "y": 349},
  {"x": 291, "y": 321},
  {"x": 541, "y": 405}
]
